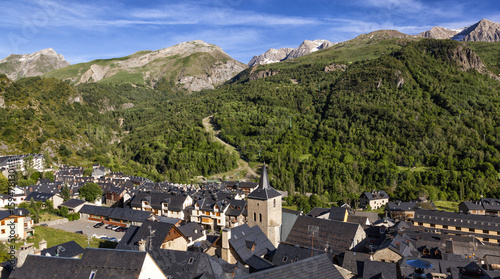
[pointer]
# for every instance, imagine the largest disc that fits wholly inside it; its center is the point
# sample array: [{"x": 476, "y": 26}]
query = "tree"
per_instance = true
[
  {"x": 90, "y": 192},
  {"x": 50, "y": 175},
  {"x": 4, "y": 184},
  {"x": 65, "y": 193},
  {"x": 64, "y": 211}
]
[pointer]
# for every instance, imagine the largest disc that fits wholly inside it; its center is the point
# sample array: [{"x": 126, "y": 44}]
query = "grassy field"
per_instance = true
[
  {"x": 291, "y": 207},
  {"x": 447, "y": 205},
  {"x": 56, "y": 236},
  {"x": 49, "y": 217}
]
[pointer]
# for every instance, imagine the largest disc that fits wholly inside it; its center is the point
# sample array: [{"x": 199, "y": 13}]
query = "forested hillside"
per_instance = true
[{"x": 417, "y": 118}]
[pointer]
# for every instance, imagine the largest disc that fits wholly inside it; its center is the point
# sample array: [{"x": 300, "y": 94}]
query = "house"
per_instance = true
[
  {"x": 484, "y": 228},
  {"x": 314, "y": 267},
  {"x": 14, "y": 224},
  {"x": 246, "y": 187},
  {"x": 374, "y": 199},
  {"x": 471, "y": 207},
  {"x": 194, "y": 232},
  {"x": 153, "y": 234},
  {"x": 393, "y": 249},
  {"x": 319, "y": 212},
  {"x": 70, "y": 249},
  {"x": 95, "y": 263},
  {"x": 18, "y": 162},
  {"x": 491, "y": 206},
  {"x": 406, "y": 210},
  {"x": 12, "y": 199},
  {"x": 210, "y": 212},
  {"x": 43, "y": 197},
  {"x": 191, "y": 265},
  {"x": 236, "y": 213},
  {"x": 114, "y": 215},
  {"x": 99, "y": 171},
  {"x": 325, "y": 235},
  {"x": 73, "y": 205},
  {"x": 242, "y": 244},
  {"x": 174, "y": 205},
  {"x": 115, "y": 196}
]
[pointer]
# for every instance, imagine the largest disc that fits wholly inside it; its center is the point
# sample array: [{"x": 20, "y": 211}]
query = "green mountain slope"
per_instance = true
[{"x": 192, "y": 65}]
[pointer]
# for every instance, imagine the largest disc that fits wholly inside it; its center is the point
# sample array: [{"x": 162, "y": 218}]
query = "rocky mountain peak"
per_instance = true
[
  {"x": 277, "y": 55},
  {"x": 16, "y": 66},
  {"x": 438, "y": 33},
  {"x": 484, "y": 30}
]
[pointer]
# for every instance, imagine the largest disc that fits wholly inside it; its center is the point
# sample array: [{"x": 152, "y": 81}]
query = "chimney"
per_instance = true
[
  {"x": 226, "y": 251},
  {"x": 142, "y": 245},
  {"x": 449, "y": 246},
  {"x": 42, "y": 245}
]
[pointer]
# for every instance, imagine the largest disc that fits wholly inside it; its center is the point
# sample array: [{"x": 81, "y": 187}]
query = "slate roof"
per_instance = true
[
  {"x": 108, "y": 263},
  {"x": 337, "y": 213},
  {"x": 287, "y": 254},
  {"x": 374, "y": 269},
  {"x": 491, "y": 204},
  {"x": 96, "y": 210},
  {"x": 190, "y": 265},
  {"x": 264, "y": 191},
  {"x": 354, "y": 261},
  {"x": 243, "y": 238},
  {"x": 117, "y": 213},
  {"x": 72, "y": 203},
  {"x": 128, "y": 214},
  {"x": 174, "y": 201},
  {"x": 376, "y": 195},
  {"x": 5, "y": 214},
  {"x": 69, "y": 249},
  {"x": 236, "y": 208},
  {"x": 372, "y": 216},
  {"x": 438, "y": 266},
  {"x": 335, "y": 235},
  {"x": 481, "y": 222},
  {"x": 193, "y": 230},
  {"x": 37, "y": 196},
  {"x": 315, "y": 267},
  {"x": 317, "y": 211},
  {"x": 473, "y": 205},
  {"x": 158, "y": 230}
]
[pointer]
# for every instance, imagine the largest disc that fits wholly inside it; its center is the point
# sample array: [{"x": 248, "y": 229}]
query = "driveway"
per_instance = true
[{"x": 87, "y": 227}]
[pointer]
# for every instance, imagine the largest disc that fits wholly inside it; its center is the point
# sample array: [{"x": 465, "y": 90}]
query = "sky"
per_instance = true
[{"x": 86, "y": 30}]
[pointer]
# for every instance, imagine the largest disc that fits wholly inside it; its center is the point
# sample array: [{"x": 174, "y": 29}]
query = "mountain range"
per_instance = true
[
  {"x": 484, "y": 31},
  {"x": 278, "y": 55},
  {"x": 16, "y": 66},
  {"x": 197, "y": 65}
]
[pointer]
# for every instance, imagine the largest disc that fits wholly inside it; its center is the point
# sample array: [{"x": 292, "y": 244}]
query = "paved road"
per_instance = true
[{"x": 87, "y": 227}]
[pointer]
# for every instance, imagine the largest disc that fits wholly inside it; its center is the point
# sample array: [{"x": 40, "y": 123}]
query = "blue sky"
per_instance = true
[{"x": 87, "y": 30}]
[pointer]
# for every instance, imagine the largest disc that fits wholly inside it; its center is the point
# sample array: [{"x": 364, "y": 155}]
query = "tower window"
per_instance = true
[
  {"x": 260, "y": 217},
  {"x": 255, "y": 217},
  {"x": 274, "y": 201}
]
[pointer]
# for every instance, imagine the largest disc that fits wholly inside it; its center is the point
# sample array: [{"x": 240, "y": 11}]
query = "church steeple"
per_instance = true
[{"x": 264, "y": 191}]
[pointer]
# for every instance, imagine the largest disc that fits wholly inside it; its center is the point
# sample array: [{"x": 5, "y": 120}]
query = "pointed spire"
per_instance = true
[{"x": 264, "y": 180}]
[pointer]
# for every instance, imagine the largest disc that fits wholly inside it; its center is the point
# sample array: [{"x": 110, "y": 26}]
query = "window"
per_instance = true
[
  {"x": 445, "y": 226},
  {"x": 459, "y": 228},
  {"x": 255, "y": 217},
  {"x": 274, "y": 202},
  {"x": 260, "y": 217},
  {"x": 92, "y": 274},
  {"x": 3, "y": 223},
  {"x": 471, "y": 230},
  {"x": 486, "y": 231},
  {"x": 3, "y": 231},
  {"x": 15, "y": 220},
  {"x": 285, "y": 258},
  {"x": 190, "y": 261}
]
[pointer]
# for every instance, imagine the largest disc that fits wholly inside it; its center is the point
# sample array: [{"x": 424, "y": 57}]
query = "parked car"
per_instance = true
[
  {"x": 115, "y": 228},
  {"x": 80, "y": 232},
  {"x": 121, "y": 229},
  {"x": 112, "y": 239},
  {"x": 98, "y": 225},
  {"x": 109, "y": 227}
]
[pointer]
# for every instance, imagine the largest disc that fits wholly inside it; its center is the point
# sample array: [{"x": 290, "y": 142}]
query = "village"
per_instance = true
[{"x": 233, "y": 229}]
